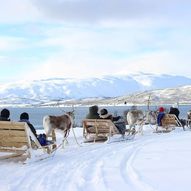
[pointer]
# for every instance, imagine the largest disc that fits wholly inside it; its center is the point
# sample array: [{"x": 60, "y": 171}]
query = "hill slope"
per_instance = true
[{"x": 62, "y": 89}]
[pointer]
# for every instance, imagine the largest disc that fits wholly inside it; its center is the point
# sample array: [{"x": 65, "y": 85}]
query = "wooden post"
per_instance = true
[{"x": 148, "y": 103}]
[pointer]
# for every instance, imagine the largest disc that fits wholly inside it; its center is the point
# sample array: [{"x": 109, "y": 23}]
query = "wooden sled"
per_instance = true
[
  {"x": 95, "y": 130},
  {"x": 18, "y": 141},
  {"x": 169, "y": 122}
]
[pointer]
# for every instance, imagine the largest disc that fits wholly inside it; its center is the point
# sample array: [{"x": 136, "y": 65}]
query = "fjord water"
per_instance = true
[{"x": 36, "y": 114}]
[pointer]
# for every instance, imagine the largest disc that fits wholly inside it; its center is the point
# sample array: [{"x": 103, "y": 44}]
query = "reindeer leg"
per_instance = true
[
  {"x": 133, "y": 131},
  {"x": 129, "y": 130},
  {"x": 141, "y": 129},
  {"x": 65, "y": 141}
]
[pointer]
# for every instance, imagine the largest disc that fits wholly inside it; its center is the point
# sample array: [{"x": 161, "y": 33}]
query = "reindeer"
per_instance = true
[
  {"x": 135, "y": 117},
  {"x": 63, "y": 123},
  {"x": 151, "y": 117},
  {"x": 138, "y": 117}
]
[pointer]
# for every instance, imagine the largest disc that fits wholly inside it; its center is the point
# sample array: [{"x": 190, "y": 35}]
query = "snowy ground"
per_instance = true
[{"x": 150, "y": 162}]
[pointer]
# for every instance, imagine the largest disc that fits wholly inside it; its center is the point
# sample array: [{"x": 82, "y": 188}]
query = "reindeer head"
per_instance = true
[{"x": 70, "y": 113}]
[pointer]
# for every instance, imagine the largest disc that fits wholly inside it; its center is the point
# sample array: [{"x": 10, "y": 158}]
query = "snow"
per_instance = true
[
  {"x": 149, "y": 162},
  {"x": 46, "y": 90}
]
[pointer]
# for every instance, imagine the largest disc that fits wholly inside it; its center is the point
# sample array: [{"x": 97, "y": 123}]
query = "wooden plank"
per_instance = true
[
  {"x": 13, "y": 133},
  {"x": 12, "y": 125},
  {"x": 13, "y": 144},
  {"x": 13, "y": 139},
  {"x": 169, "y": 119},
  {"x": 100, "y": 129},
  {"x": 99, "y": 132},
  {"x": 98, "y": 123},
  {"x": 11, "y": 149}
]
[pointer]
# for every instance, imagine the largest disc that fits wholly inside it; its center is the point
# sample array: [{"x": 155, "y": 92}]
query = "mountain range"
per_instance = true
[{"x": 130, "y": 88}]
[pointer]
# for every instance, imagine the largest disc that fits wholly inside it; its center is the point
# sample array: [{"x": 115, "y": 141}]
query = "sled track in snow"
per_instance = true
[
  {"x": 80, "y": 169},
  {"x": 100, "y": 172}
]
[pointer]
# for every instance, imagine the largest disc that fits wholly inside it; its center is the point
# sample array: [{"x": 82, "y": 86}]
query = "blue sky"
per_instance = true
[{"x": 79, "y": 38}]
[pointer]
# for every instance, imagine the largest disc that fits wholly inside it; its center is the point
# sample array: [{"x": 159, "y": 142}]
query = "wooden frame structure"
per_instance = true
[
  {"x": 17, "y": 140},
  {"x": 101, "y": 130},
  {"x": 169, "y": 122},
  {"x": 98, "y": 129}
]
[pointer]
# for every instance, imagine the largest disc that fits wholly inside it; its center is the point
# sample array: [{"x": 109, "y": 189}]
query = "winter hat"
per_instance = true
[
  {"x": 5, "y": 113},
  {"x": 104, "y": 113},
  {"x": 161, "y": 109},
  {"x": 24, "y": 116},
  {"x": 93, "y": 109}
]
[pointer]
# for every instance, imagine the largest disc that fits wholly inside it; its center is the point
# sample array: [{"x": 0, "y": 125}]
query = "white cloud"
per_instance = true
[
  {"x": 90, "y": 51},
  {"x": 8, "y": 43},
  {"x": 13, "y": 11},
  {"x": 106, "y": 12},
  {"x": 81, "y": 38},
  {"x": 74, "y": 65},
  {"x": 160, "y": 63},
  {"x": 82, "y": 65},
  {"x": 101, "y": 40},
  {"x": 111, "y": 10}
]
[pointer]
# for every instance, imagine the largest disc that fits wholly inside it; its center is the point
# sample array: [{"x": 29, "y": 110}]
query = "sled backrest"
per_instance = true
[
  {"x": 99, "y": 128},
  {"x": 13, "y": 134},
  {"x": 170, "y": 120},
  {"x": 16, "y": 139}
]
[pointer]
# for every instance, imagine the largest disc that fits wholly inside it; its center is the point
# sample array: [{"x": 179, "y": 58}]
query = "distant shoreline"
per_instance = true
[{"x": 88, "y": 105}]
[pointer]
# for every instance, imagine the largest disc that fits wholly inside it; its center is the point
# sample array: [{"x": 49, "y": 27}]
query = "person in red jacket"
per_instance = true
[{"x": 160, "y": 116}]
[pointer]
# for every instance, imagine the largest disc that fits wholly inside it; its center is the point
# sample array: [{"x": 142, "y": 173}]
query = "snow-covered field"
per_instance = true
[{"x": 150, "y": 162}]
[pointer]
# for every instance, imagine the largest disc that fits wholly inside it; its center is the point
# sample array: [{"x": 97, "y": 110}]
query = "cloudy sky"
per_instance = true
[{"x": 82, "y": 38}]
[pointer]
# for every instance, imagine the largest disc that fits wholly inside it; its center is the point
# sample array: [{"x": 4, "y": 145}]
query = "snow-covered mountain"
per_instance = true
[
  {"x": 42, "y": 91},
  {"x": 181, "y": 95}
]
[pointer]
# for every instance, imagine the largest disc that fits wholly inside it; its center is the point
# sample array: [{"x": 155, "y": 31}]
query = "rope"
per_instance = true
[
  {"x": 75, "y": 138},
  {"x": 54, "y": 151}
]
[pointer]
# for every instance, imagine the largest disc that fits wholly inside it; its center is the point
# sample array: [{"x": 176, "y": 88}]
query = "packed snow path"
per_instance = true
[{"x": 152, "y": 162}]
